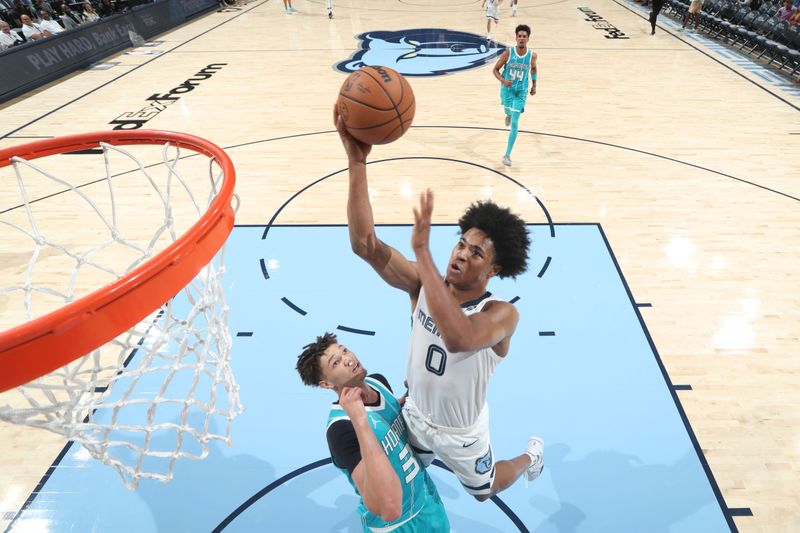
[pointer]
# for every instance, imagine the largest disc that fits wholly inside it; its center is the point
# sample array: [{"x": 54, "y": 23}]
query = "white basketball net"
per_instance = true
[{"x": 164, "y": 389}]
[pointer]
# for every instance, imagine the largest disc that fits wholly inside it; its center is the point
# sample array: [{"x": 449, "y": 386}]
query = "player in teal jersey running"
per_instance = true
[
  {"x": 368, "y": 441},
  {"x": 514, "y": 78}
]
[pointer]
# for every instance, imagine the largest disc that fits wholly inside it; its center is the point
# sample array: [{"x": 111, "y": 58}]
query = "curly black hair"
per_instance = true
[
  {"x": 308, "y": 361},
  {"x": 507, "y": 231},
  {"x": 523, "y": 27}
]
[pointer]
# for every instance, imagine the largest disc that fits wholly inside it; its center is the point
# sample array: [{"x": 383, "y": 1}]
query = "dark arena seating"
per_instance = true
[
  {"x": 121, "y": 24},
  {"x": 757, "y": 32}
]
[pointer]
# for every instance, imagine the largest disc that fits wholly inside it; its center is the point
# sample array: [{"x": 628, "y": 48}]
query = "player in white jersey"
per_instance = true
[
  {"x": 448, "y": 373},
  {"x": 492, "y": 14}
]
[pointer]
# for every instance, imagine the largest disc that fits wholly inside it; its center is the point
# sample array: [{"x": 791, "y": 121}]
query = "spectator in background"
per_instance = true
[
  {"x": 43, "y": 5},
  {"x": 32, "y": 31},
  {"x": 89, "y": 14},
  {"x": 5, "y": 10},
  {"x": 69, "y": 18},
  {"x": 655, "y": 9},
  {"x": 786, "y": 12},
  {"x": 107, "y": 8},
  {"x": 8, "y": 38},
  {"x": 20, "y": 9},
  {"x": 695, "y": 7},
  {"x": 47, "y": 23},
  {"x": 795, "y": 18}
]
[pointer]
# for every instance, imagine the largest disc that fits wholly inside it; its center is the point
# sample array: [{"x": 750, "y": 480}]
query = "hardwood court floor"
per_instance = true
[{"x": 687, "y": 160}]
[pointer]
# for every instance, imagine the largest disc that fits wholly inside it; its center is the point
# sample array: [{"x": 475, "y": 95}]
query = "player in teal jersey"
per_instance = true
[
  {"x": 514, "y": 78},
  {"x": 368, "y": 441}
]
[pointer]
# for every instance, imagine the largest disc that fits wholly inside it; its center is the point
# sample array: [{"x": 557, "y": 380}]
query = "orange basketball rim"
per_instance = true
[{"x": 49, "y": 342}]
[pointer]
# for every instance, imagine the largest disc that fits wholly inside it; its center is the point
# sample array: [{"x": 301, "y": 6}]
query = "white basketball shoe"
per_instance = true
[{"x": 536, "y": 452}]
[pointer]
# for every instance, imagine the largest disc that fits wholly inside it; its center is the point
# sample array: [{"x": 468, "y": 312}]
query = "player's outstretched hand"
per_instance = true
[
  {"x": 356, "y": 150},
  {"x": 422, "y": 222}
]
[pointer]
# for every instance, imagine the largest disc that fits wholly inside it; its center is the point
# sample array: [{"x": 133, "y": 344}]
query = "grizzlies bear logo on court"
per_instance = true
[
  {"x": 422, "y": 51},
  {"x": 484, "y": 464}
]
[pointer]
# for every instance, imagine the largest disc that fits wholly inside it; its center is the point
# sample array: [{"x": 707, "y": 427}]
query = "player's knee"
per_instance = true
[{"x": 481, "y": 497}]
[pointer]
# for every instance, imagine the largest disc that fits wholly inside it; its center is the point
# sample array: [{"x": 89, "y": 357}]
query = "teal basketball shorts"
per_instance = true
[{"x": 513, "y": 100}]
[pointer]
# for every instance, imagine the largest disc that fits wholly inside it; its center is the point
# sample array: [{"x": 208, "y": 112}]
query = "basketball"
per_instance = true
[{"x": 376, "y": 105}]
